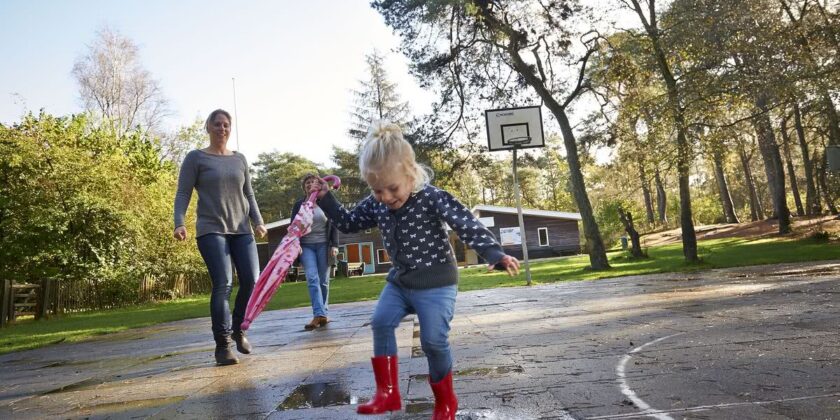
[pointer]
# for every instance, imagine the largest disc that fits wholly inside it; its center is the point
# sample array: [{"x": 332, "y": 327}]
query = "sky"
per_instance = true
[{"x": 294, "y": 63}]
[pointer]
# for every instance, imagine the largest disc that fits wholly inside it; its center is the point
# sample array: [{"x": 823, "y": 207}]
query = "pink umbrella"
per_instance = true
[{"x": 287, "y": 252}]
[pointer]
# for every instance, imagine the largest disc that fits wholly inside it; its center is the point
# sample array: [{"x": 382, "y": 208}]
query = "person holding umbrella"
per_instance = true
[
  {"x": 226, "y": 203},
  {"x": 317, "y": 247}
]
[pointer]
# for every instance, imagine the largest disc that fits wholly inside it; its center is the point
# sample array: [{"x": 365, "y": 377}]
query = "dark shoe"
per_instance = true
[
  {"x": 446, "y": 403},
  {"x": 224, "y": 356},
  {"x": 242, "y": 344},
  {"x": 315, "y": 323},
  {"x": 387, "y": 396},
  {"x": 323, "y": 321}
]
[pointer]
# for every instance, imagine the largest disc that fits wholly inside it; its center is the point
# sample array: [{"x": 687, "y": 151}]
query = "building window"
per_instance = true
[
  {"x": 382, "y": 256},
  {"x": 543, "y": 234}
]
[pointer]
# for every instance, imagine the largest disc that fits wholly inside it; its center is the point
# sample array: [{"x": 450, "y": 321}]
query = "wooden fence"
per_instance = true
[{"x": 51, "y": 297}]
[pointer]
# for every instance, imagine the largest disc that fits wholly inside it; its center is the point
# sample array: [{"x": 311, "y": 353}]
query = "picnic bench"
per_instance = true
[
  {"x": 355, "y": 269},
  {"x": 349, "y": 269}
]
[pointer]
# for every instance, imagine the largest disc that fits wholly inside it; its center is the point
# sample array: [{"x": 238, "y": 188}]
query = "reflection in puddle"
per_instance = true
[{"x": 324, "y": 394}]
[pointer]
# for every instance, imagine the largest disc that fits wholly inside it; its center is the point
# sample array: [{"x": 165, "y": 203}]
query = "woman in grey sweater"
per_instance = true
[{"x": 225, "y": 204}]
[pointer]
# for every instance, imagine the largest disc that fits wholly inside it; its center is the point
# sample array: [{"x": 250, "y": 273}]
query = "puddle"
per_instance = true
[
  {"x": 509, "y": 302},
  {"x": 419, "y": 406},
  {"x": 683, "y": 279},
  {"x": 496, "y": 370},
  {"x": 117, "y": 407},
  {"x": 60, "y": 363},
  {"x": 488, "y": 371},
  {"x": 77, "y": 386},
  {"x": 324, "y": 394},
  {"x": 822, "y": 271}
]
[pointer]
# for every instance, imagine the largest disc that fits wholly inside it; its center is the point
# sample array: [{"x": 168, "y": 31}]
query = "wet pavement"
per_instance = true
[{"x": 743, "y": 343}]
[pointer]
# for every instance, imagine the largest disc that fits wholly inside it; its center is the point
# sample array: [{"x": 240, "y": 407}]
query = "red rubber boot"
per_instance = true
[
  {"x": 387, "y": 396},
  {"x": 446, "y": 403}
]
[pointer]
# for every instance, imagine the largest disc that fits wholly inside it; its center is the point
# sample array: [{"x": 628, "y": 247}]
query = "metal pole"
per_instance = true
[
  {"x": 235, "y": 114},
  {"x": 521, "y": 221}
]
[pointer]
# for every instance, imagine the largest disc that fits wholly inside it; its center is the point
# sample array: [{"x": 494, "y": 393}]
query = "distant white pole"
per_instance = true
[
  {"x": 521, "y": 221},
  {"x": 235, "y": 114}
]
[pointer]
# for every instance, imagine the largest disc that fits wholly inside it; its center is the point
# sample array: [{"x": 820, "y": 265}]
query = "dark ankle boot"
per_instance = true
[
  {"x": 242, "y": 344},
  {"x": 387, "y": 396},
  {"x": 446, "y": 403},
  {"x": 224, "y": 356}
]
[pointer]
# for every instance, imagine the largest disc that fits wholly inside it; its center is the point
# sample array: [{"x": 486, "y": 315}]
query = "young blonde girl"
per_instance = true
[{"x": 423, "y": 278}]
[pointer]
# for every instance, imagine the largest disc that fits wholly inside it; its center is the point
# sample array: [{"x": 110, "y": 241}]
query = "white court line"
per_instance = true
[
  {"x": 711, "y": 407},
  {"x": 625, "y": 389}
]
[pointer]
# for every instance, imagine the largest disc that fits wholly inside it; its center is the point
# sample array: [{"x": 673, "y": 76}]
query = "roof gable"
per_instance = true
[{"x": 484, "y": 208}]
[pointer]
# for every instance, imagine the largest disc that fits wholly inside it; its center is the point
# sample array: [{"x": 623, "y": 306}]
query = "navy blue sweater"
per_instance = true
[{"x": 415, "y": 236}]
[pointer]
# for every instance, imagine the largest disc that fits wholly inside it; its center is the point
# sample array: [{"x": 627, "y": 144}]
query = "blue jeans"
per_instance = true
[
  {"x": 218, "y": 250},
  {"x": 314, "y": 259},
  {"x": 434, "y": 308}
]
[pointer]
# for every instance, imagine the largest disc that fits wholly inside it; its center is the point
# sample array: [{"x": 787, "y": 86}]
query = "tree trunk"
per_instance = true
[
  {"x": 646, "y": 192},
  {"x": 812, "y": 199},
  {"x": 661, "y": 198},
  {"x": 723, "y": 188},
  {"x": 772, "y": 163},
  {"x": 833, "y": 120},
  {"x": 627, "y": 220},
  {"x": 597, "y": 250},
  {"x": 689, "y": 237},
  {"x": 823, "y": 180},
  {"x": 756, "y": 212},
  {"x": 794, "y": 187}
]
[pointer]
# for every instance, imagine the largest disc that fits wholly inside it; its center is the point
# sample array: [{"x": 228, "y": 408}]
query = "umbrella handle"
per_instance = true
[{"x": 336, "y": 181}]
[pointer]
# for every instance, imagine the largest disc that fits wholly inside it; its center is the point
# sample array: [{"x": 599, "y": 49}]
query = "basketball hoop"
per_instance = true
[{"x": 519, "y": 141}]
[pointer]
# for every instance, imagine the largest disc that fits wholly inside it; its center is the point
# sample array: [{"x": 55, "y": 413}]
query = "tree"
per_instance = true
[
  {"x": 116, "y": 88},
  {"x": 277, "y": 184},
  {"x": 676, "y": 105},
  {"x": 478, "y": 48},
  {"x": 377, "y": 98},
  {"x": 174, "y": 147},
  {"x": 81, "y": 205}
]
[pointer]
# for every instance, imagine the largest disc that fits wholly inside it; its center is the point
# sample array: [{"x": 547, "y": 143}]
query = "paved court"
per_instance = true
[{"x": 743, "y": 343}]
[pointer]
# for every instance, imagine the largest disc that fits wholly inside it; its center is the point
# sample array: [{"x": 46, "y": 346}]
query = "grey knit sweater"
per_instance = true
[
  {"x": 415, "y": 236},
  {"x": 225, "y": 197}
]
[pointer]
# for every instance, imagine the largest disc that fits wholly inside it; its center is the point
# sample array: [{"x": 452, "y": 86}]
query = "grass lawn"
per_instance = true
[{"x": 719, "y": 253}]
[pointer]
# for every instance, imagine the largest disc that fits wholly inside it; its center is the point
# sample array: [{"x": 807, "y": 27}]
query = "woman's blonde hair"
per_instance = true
[
  {"x": 212, "y": 117},
  {"x": 384, "y": 148}
]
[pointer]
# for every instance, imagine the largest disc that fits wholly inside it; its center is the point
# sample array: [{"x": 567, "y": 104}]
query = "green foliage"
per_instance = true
[
  {"x": 669, "y": 258},
  {"x": 707, "y": 209},
  {"x": 606, "y": 213},
  {"x": 277, "y": 182},
  {"x": 82, "y": 205}
]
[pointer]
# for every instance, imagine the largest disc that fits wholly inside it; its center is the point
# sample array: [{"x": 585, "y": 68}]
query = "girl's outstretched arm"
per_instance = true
[{"x": 359, "y": 218}]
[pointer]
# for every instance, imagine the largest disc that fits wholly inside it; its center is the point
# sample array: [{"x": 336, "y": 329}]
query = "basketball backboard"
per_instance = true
[{"x": 511, "y": 127}]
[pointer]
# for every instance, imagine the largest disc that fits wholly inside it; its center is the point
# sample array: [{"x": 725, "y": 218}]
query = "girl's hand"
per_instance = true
[
  {"x": 510, "y": 264},
  {"x": 180, "y": 233},
  {"x": 261, "y": 230},
  {"x": 324, "y": 188}
]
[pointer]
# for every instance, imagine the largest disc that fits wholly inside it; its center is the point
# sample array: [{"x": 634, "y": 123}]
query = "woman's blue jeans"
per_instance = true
[
  {"x": 314, "y": 259},
  {"x": 218, "y": 250},
  {"x": 434, "y": 308}
]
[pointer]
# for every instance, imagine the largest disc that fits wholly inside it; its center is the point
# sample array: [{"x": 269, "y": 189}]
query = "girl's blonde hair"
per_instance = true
[{"x": 385, "y": 148}]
